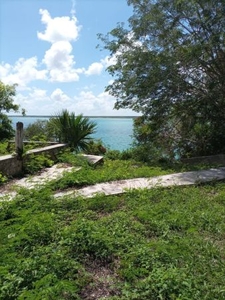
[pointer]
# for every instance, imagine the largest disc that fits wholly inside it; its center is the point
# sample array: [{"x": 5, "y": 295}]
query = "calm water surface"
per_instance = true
[{"x": 114, "y": 132}]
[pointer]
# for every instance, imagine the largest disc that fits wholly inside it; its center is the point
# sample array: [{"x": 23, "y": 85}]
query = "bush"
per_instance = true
[
  {"x": 95, "y": 147},
  {"x": 36, "y": 131},
  {"x": 6, "y": 148},
  {"x": 3, "y": 178},
  {"x": 34, "y": 163}
]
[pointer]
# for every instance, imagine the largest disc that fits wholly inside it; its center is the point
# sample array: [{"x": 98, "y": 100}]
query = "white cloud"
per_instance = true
[
  {"x": 5, "y": 69},
  {"x": 90, "y": 104},
  {"x": 60, "y": 31},
  {"x": 23, "y": 72},
  {"x": 40, "y": 102},
  {"x": 32, "y": 101},
  {"x": 94, "y": 69},
  {"x": 59, "y": 96},
  {"x": 59, "y": 28},
  {"x": 58, "y": 56},
  {"x": 60, "y": 62},
  {"x": 101, "y": 104},
  {"x": 38, "y": 94}
]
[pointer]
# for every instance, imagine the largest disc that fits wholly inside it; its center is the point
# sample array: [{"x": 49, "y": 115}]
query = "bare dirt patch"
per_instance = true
[{"x": 104, "y": 281}]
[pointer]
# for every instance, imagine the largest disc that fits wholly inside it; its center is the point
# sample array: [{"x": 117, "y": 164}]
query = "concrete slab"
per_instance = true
[
  {"x": 56, "y": 171},
  {"x": 114, "y": 187},
  {"x": 93, "y": 159},
  {"x": 118, "y": 187}
]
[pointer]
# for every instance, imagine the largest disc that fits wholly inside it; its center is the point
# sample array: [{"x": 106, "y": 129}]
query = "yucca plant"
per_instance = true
[{"x": 74, "y": 130}]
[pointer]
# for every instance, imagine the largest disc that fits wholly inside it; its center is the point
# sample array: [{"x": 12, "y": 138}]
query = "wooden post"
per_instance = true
[{"x": 19, "y": 140}]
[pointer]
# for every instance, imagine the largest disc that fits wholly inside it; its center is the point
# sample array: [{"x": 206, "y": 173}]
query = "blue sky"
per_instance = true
[{"x": 48, "y": 47}]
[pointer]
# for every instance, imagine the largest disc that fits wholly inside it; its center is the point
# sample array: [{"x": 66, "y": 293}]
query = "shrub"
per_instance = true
[
  {"x": 95, "y": 147},
  {"x": 34, "y": 163},
  {"x": 3, "y": 178}
]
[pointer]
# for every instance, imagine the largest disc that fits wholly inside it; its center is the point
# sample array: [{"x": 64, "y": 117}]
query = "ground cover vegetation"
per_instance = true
[
  {"x": 169, "y": 65},
  {"x": 163, "y": 243}
]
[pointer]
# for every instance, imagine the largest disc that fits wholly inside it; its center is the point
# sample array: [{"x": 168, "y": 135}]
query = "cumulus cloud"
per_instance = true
[
  {"x": 89, "y": 103},
  {"x": 94, "y": 69},
  {"x": 59, "y": 96},
  {"x": 100, "y": 104},
  {"x": 59, "y": 61},
  {"x": 41, "y": 102},
  {"x": 60, "y": 31},
  {"x": 38, "y": 94},
  {"x": 5, "y": 69},
  {"x": 32, "y": 100},
  {"x": 59, "y": 28},
  {"x": 23, "y": 72}
]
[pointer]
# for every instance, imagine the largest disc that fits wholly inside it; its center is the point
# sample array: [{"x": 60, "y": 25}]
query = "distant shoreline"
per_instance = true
[{"x": 39, "y": 116}]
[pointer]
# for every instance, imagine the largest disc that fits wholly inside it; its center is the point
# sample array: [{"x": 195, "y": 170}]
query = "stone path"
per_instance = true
[
  {"x": 120, "y": 186},
  {"x": 8, "y": 191},
  {"x": 111, "y": 188}
]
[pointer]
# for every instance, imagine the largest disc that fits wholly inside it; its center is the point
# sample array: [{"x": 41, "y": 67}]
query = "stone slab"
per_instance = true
[{"x": 93, "y": 159}]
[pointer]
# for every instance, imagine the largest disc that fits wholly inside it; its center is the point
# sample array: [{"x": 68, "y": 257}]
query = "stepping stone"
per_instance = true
[{"x": 93, "y": 159}]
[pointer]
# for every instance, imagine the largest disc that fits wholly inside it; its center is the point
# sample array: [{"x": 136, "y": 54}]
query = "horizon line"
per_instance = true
[{"x": 49, "y": 116}]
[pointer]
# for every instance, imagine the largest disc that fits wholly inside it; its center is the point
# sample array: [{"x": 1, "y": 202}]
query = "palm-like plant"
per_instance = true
[{"x": 74, "y": 130}]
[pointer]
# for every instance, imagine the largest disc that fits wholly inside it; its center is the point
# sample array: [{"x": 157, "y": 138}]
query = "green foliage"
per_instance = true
[
  {"x": 37, "y": 130},
  {"x": 3, "y": 178},
  {"x": 170, "y": 66},
  {"x": 6, "y": 148},
  {"x": 34, "y": 163},
  {"x": 113, "y": 154},
  {"x": 95, "y": 147},
  {"x": 72, "y": 129},
  {"x": 123, "y": 155},
  {"x": 163, "y": 243},
  {"x": 7, "y": 92},
  {"x": 66, "y": 156},
  {"x": 6, "y": 129}
]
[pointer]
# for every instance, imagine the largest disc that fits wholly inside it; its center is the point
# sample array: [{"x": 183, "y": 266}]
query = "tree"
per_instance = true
[
  {"x": 7, "y": 92},
  {"x": 72, "y": 129},
  {"x": 170, "y": 66},
  {"x": 37, "y": 131}
]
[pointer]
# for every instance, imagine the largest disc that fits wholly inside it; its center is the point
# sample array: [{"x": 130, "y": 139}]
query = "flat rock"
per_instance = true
[{"x": 93, "y": 159}]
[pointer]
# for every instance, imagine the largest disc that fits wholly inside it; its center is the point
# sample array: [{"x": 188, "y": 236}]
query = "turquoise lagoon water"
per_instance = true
[{"x": 115, "y": 133}]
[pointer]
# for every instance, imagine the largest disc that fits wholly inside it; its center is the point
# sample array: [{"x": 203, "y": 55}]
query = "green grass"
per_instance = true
[{"x": 163, "y": 243}]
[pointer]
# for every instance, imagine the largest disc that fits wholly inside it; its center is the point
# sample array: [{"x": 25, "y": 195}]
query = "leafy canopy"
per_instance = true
[
  {"x": 7, "y": 93},
  {"x": 170, "y": 66}
]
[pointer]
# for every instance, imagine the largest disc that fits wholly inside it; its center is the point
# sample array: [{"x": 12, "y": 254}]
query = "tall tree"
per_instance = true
[
  {"x": 170, "y": 66},
  {"x": 7, "y": 93}
]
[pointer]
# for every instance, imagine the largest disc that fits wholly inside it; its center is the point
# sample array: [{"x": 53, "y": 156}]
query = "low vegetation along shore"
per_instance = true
[{"x": 163, "y": 243}]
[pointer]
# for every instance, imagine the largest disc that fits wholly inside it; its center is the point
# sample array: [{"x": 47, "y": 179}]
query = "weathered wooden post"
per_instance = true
[{"x": 19, "y": 140}]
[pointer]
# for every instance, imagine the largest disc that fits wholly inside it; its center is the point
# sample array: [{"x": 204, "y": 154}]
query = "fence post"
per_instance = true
[{"x": 19, "y": 140}]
